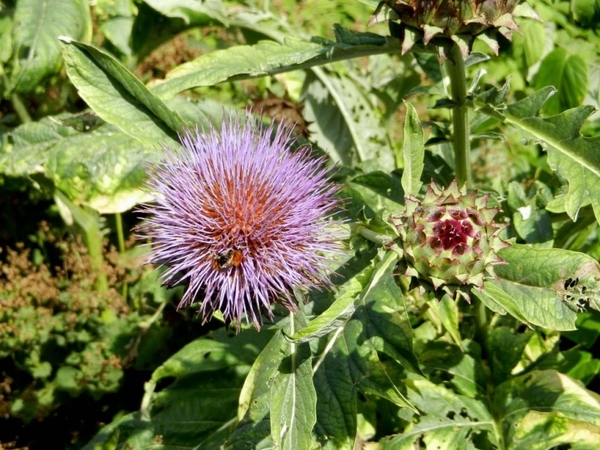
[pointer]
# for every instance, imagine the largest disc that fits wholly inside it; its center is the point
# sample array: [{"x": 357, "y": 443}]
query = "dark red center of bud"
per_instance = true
[{"x": 452, "y": 234}]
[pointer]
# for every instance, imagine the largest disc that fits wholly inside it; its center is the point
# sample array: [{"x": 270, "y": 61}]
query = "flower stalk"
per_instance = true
[{"x": 455, "y": 68}]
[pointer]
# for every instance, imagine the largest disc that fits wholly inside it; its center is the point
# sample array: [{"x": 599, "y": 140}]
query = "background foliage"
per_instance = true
[{"x": 90, "y": 93}]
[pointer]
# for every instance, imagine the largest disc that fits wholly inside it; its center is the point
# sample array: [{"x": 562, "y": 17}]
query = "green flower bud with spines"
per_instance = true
[{"x": 449, "y": 239}]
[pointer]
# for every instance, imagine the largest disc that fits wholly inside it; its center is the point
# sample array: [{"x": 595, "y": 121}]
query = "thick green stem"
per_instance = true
[
  {"x": 373, "y": 236},
  {"x": 455, "y": 68},
  {"x": 121, "y": 243},
  {"x": 119, "y": 231}
]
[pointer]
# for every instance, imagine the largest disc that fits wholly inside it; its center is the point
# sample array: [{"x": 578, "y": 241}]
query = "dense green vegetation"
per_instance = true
[{"x": 93, "y": 350}]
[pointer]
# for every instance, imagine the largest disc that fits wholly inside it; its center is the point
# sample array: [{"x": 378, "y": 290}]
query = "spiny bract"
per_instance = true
[
  {"x": 450, "y": 239},
  {"x": 459, "y": 20}
]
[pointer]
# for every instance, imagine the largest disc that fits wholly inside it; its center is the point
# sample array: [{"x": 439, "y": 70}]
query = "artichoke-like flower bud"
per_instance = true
[
  {"x": 459, "y": 20},
  {"x": 450, "y": 239}
]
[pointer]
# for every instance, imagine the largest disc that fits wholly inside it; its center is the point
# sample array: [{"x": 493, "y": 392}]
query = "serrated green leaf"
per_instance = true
[
  {"x": 574, "y": 156},
  {"x": 543, "y": 430},
  {"x": 447, "y": 312},
  {"x": 195, "y": 407},
  {"x": 128, "y": 430},
  {"x": 534, "y": 36},
  {"x": 583, "y": 183},
  {"x": 32, "y": 146},
  {"x": 264, "y": 58},
  {"x": 6, "y": 27},
  {"x": 368, "y": 372},
  {"x": 379, "y": 190},
  {"x": 37, "y": 26},
  {"x": 462, "y": 367},
  {"x": 118, "y": 97},
  {"x": 506, "y": 349},
  {"x": 413, "y": 152}
]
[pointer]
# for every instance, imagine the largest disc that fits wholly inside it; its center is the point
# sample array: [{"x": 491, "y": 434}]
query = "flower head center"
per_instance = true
[{"x": 451, "y": 233}]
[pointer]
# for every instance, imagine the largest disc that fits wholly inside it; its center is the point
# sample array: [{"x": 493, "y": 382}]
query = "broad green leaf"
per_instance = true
[
  {"x": 33, "y": 145},
  {"x": 192, "y": 13},
  {"x": 104, "y": 170},
  {"x": 506, "y": 350},
  {"x": 388, "y": 188},
  {"x": 538, "y": 285},
  {"x": 543, "y": 430},
  {"x": 563, "y": 402},
  {"x": 370, "y": 140},
  {"x": 458, "y": 365},
  {"x": 338, "y": 313},
  {"x": 371, "y": 3},
  {"x": 328, "y": 127},
  {"x": 580, "y": 365},
  {"x": 574, "y": 156},
  {"x": 413, "y": 152},
  {"x": 358, "y": 339},
  {"x": 533, "y": 225},
  {"x": 384, "y": 317},
  {"x": 586, "y": 12},
  {"x": 534, "y": 37},
  {"x": 128, "y": 430},
  {"x": 197, "y": 411},
  {"x": 268, "y": 58},
  {"x": 293, "y": 400},
  {"x": 447, "y": 312},
  {"x": 197, "y": 407},
  {"x": 118, "y": 97},
  {"x": 448, "y": 420},
  {"x": 116, "y": 20},
  {"x": 217, "y": 351},
  {"x": 572, "y": 276},
  {"x": 568, "y": 74},
  {"x": 37, "y": 26},
  {"x": 6, "y": 27},
  {"x": 253, "y": 429},
  {"x": 583, "y": 183},
  {"x": 369, "y": 374},
  {"x": 336, "y": 397}
]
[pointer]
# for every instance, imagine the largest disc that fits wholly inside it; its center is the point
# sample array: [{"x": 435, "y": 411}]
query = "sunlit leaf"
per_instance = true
[
  {"x": 293, "y": 400},
  {"x": 37, "y": 26},
  {"x": 118, "y": 97},
  {"x": 265, "y": 58},
  {"x": 568, "y": 74},
  {"x": 563, "y": 410},
  {"x": 543, "y": 287},
  {"x": 413, "y": 152}
]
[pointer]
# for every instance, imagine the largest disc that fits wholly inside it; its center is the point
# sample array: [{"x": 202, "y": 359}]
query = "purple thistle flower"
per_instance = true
[{"x": 241, "y": 220}]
